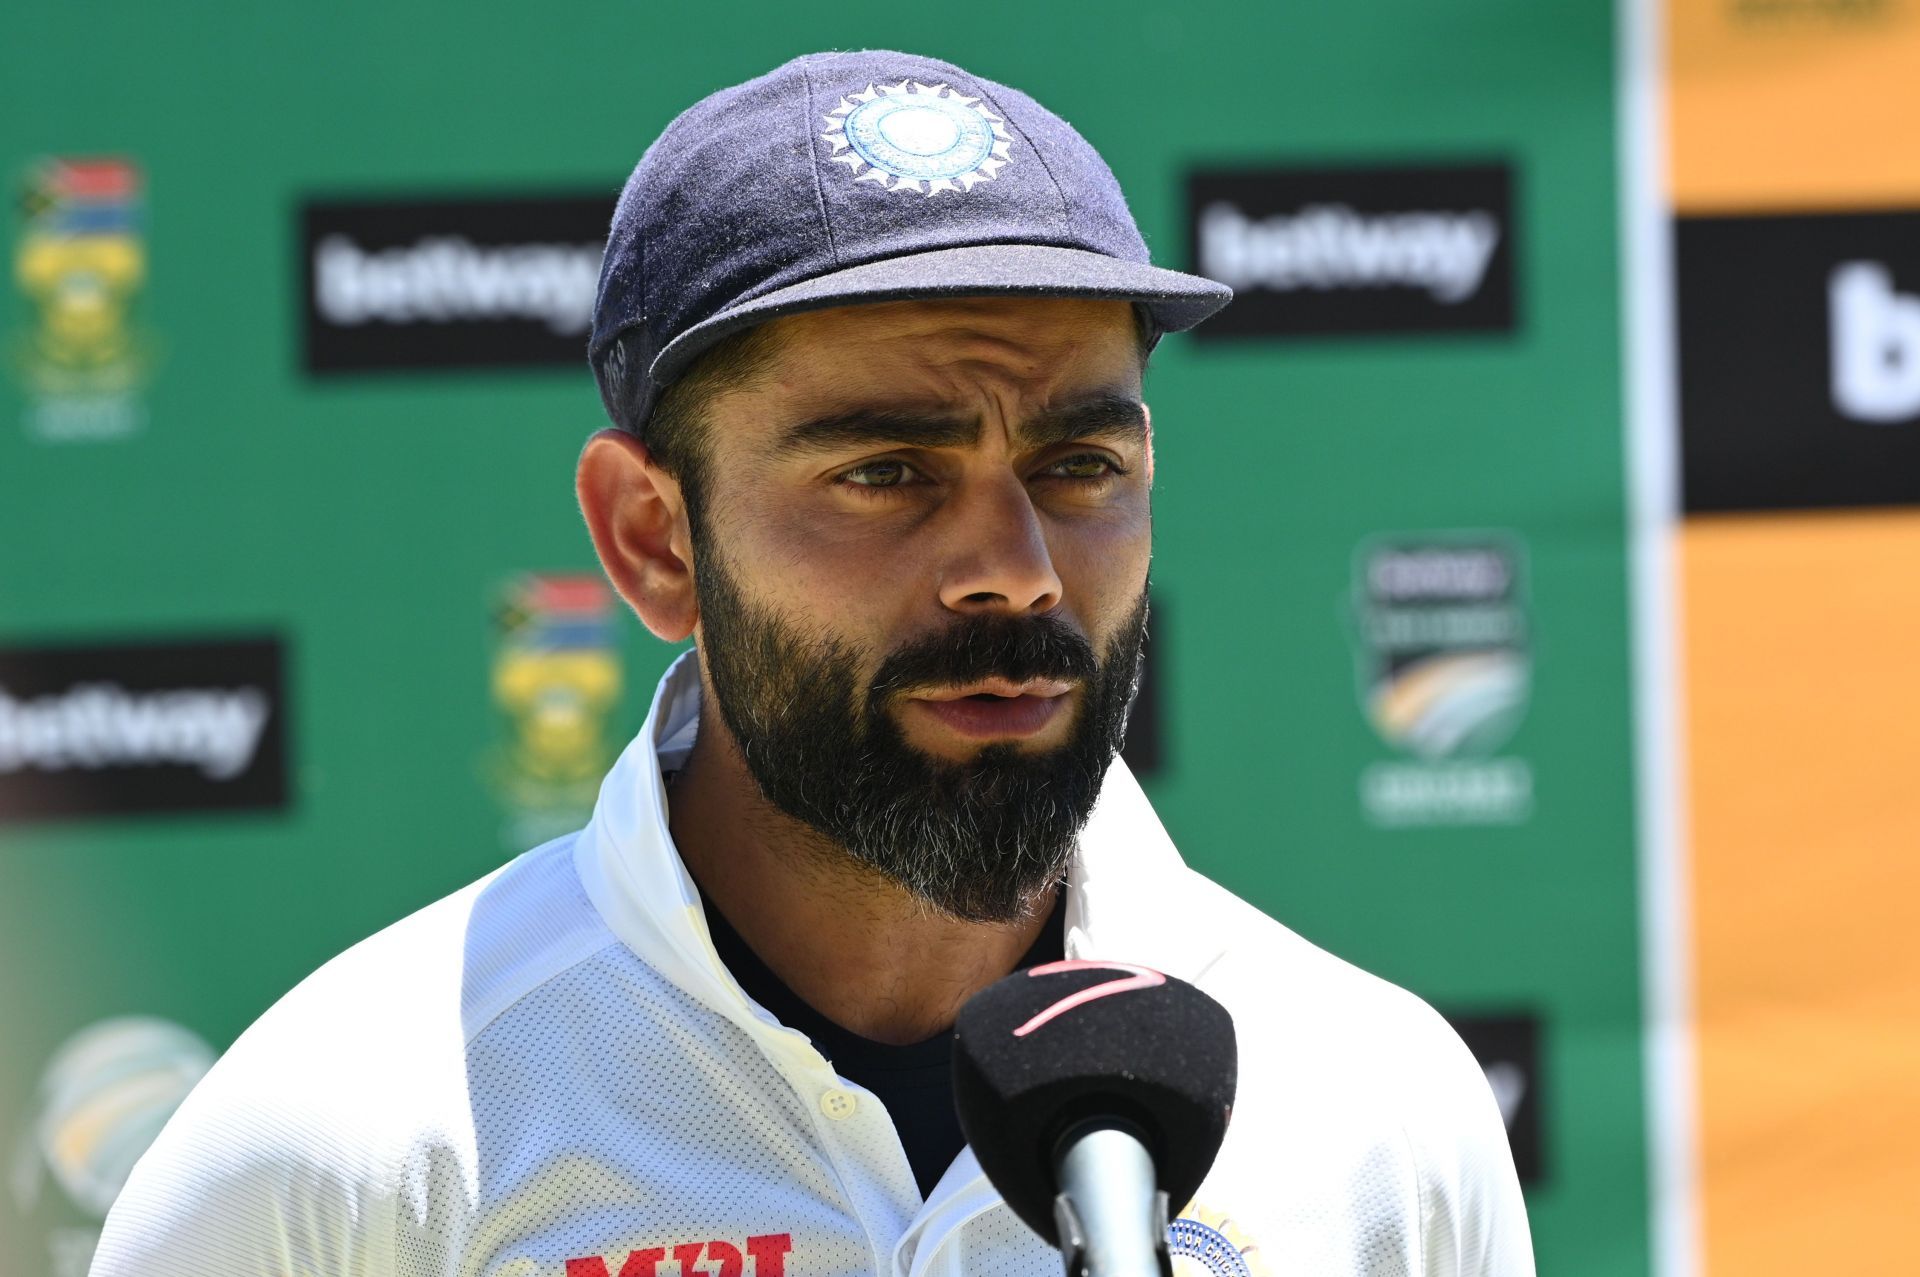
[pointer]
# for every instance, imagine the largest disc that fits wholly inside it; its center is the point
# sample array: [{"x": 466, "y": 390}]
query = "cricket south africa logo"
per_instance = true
[
  {"x": 1444, "y": 651},
  {"x": 917, "y": 137},
  {"x": 1444, "y": 661}
]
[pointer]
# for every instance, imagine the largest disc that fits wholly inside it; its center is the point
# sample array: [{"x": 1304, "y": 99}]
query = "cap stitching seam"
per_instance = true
[
  {"x": 813, "y": 161},
  {"x": 1066, "y": 212}
]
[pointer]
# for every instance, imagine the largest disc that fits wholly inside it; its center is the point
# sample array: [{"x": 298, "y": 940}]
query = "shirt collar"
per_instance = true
[{"x": 1126, "y": 891}]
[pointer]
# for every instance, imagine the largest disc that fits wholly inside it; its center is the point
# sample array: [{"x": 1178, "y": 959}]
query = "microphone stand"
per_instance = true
[{"x": 1110, "y": 1212}]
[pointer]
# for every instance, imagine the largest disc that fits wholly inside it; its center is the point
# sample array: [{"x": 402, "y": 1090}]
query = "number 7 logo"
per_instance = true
[{"x": 1133, "y": 978}]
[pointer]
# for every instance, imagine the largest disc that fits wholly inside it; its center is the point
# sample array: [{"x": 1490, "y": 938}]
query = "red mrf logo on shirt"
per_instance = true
[{"x": 768, "y": 1251}]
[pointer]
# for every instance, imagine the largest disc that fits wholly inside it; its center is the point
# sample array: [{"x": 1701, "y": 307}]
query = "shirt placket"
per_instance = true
[
  {"x": 925, "y": 1248},
  {"x": 855, "y": 1133}
]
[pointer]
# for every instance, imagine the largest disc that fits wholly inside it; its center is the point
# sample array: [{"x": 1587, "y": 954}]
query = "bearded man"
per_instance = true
[{"x": 871, "y": 331}]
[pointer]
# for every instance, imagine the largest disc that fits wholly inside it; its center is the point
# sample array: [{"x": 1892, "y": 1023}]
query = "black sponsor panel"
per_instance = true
[
  {"x": 124, "y": 728},
  {"x": 481, "y": 282},
  {"x": 1799, "y": 342},
  {"x": 1507, "y": 1045},
  {"x": 1144, "y": 750},
  {"x": 1348, "y": 250}
]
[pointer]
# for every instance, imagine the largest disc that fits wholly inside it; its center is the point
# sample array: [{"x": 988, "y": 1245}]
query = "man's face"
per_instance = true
[{"x": 921, "y": 572}]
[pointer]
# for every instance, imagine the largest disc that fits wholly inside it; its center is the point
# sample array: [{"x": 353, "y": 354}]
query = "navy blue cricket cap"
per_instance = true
[{"x": 843, "y": 178}]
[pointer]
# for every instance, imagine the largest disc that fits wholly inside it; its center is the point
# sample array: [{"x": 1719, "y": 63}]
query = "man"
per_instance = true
[{"x": 872, "y": 330}]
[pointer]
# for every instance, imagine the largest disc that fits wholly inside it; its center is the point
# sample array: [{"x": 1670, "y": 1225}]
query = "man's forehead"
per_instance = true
[
  {"x": 1108, "y": 413},
  {"x": 1037, "y": 316},
  {"x": 839, "y": 376}
]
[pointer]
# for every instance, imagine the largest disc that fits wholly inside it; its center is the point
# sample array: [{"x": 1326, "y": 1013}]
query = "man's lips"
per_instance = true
[
  {"x": 995, "y": 708},
  {"x": 1041, "y": 688}
]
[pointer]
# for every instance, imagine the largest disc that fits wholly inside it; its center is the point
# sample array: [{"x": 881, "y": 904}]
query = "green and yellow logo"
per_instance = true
[
  {"x": 556, "y": 680},
  {"x": 81, "y": 265}
]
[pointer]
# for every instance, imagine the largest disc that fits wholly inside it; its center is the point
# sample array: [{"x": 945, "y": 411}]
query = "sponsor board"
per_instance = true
[
  {"x": 122, "y": 728},
  {"x": 1507, "y": 1046},
  {"x": 1337, "y": 251},
  {"x": 436, "y": 283},
  {"x": 1443, "y": 661},
  {"x": 101, "y": 1099},
  {"x": 1799, "y": 360},
  {"x": 80, "y": 263},
  {"x": 556, "y": 680}
]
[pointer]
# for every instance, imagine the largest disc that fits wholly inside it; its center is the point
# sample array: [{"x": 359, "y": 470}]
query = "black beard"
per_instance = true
[{"x": 978, "y": 840}]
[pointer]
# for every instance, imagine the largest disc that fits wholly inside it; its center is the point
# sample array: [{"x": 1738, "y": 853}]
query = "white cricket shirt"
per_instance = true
[{"x": 550, "y": 1074}]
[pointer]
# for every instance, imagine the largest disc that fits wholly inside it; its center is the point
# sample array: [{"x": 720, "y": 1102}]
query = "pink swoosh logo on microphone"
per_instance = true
[{"x": 1136, "y": 978}]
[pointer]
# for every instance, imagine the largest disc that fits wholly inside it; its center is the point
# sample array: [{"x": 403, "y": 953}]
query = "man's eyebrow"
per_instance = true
[
  {"x": 1115, "y": 415},
  {"x": 1102, "y": 416},
  {"x": 877, "y": 428}
]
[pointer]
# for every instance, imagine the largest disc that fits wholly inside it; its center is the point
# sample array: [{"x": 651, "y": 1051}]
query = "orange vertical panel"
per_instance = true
[
  {"x": 1802, "y": 659},
  {"x": 1793, "y": 104}
]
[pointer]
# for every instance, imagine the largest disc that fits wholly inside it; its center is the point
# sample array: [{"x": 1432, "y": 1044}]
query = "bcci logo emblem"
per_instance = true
[
  {"x": 917, "y": 137},
  {"x": 1205, "y": 1243},
  {"x": 81, "y": 262}
]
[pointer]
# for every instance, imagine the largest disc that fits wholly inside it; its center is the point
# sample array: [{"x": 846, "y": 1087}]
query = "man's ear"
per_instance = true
[{"x": 637, "y": 517}]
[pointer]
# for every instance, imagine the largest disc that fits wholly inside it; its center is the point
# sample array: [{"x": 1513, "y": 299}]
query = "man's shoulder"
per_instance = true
[
  {"x": 1339, "y": 1028},
  {"x": 425, "y": 986},
  {"x": 1328, "y": 1022},
  {"x": 357, "y": 1076},
  {"x": 1387, "y": 1120}
]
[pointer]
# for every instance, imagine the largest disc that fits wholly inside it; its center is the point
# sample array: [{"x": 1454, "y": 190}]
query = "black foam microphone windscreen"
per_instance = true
[{"x": 1052, "y": 1047}]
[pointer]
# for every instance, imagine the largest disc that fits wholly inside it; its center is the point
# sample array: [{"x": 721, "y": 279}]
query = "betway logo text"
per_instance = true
[
  {"x": 1875, "y": 344},
  {"x": 448, "y": 278},
  {"x": 101, "y": 725},
  {"x": 768, "y": 1251},
  {"x": 1331, "y": 246}
]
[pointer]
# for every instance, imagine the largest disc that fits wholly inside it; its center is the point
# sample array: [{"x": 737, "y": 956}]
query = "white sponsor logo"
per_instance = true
[
  {"x": 1438, "y": 572},
  {"x": 1330, "y": 246},
  {"x": 1876, "y": 344},
  {"x": 1509, "y": 1084},
  {"x": 98, "y": 725},
  {"x": 445, "y": 279},
  {"x": 1497, "y": 792}
]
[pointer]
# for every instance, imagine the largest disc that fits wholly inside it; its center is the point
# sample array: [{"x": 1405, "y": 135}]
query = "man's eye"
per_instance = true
[
  {"x": 1086, "y": 466},
  {"x": 878, "y": 474}
]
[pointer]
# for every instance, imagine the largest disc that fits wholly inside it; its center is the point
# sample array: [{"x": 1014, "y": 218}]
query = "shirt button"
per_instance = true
[{"x": 837, "y": 1105}]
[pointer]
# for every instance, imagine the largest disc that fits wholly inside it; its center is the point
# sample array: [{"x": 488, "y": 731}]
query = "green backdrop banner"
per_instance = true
[{"x": 299, "y": 628}]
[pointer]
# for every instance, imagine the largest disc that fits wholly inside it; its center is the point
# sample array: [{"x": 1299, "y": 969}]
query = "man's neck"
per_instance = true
[{"x": 857, "y": 948}]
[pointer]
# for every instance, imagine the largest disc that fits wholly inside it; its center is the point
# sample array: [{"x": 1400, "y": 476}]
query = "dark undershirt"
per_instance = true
[{"x": 914, "y": 1081}]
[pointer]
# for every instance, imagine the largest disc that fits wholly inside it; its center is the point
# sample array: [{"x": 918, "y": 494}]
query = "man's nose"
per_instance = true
[{"x": 998, "y": 560}]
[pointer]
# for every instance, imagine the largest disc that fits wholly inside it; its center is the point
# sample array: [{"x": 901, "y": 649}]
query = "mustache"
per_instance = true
[{"x": 1016, "y": 648}]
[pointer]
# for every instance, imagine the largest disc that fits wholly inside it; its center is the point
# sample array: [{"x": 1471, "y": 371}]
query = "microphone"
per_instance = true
[{"x": 1095, "y": 1094}]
